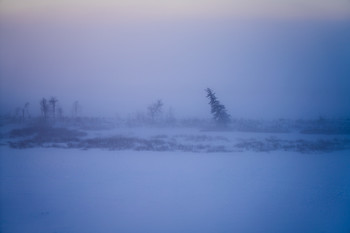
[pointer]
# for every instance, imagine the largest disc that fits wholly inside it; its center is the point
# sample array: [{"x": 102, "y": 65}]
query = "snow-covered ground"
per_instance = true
[
  {"x": 55, "y": 190},
  {"x": 182, "y": 139},
  {"x": 67, "y": 179}
]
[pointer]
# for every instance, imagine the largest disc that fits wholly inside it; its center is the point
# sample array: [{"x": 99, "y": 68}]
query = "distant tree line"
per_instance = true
[{"x": 51, "y": 109}]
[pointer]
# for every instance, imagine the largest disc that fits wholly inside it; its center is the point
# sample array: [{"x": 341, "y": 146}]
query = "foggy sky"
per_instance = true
[{"x": 258, "y": 68}]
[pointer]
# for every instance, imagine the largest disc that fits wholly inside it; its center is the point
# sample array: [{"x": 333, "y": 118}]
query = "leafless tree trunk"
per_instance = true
[
  {"x": 53, "y": 101},
  {"x": 44, "y": 107}
]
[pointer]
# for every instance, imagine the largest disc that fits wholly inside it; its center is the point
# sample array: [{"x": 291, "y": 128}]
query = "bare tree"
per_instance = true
[
  {"x": 44, "y": 107},
  {"x": 155, "y": 110},
  {"x": 53, "y": 102}
]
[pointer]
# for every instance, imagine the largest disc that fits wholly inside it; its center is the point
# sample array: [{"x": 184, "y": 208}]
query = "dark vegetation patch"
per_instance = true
[
  {"x": 71, "y": 139},
  {"x": 62, "y": 138},
  {"x": 40, "y": 135},
  {"x": 201, "y": 138},
  {"x": 328, "y": 131},
  {"x": 46, "y": 135},
  {"x": 125, "y": 143},
  {"x": 139, "y": 144},
  {"x": 303, "y": 146}
]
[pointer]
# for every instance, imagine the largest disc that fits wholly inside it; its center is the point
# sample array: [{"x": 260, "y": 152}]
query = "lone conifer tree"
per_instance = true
[{"x": 218, "y": 110}]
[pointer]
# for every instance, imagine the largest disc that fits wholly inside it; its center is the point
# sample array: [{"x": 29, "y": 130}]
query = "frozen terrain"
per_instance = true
[
  {"x": 180, "y": 179},
  {"x": 70, "y": 191},
  {"x": 174, "y": 116},
  {"x": 242, "y": 135}
]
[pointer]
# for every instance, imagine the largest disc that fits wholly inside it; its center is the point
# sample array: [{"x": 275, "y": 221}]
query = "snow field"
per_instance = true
[{"x": 72, "y": 190}]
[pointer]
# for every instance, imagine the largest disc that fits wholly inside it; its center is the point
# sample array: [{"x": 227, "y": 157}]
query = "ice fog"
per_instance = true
[
  {"x": 260, "y": 69},
  {"x": 107, "y": 125}
]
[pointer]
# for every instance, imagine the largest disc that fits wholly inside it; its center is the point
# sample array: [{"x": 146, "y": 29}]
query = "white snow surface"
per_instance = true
[{"x": 55, "y": 190}]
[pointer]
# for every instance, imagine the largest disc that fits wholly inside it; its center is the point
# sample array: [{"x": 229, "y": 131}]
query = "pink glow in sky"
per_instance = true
[
  {"x": 290, "y": 58},
  {"x": 187, "y": 8}
]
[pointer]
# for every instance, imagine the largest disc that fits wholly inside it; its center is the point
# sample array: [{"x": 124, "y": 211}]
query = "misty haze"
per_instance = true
[{"x": 179, "y": 116}]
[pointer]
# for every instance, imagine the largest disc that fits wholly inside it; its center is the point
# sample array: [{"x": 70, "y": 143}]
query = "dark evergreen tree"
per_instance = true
[{"x": 218, "y": 110}]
